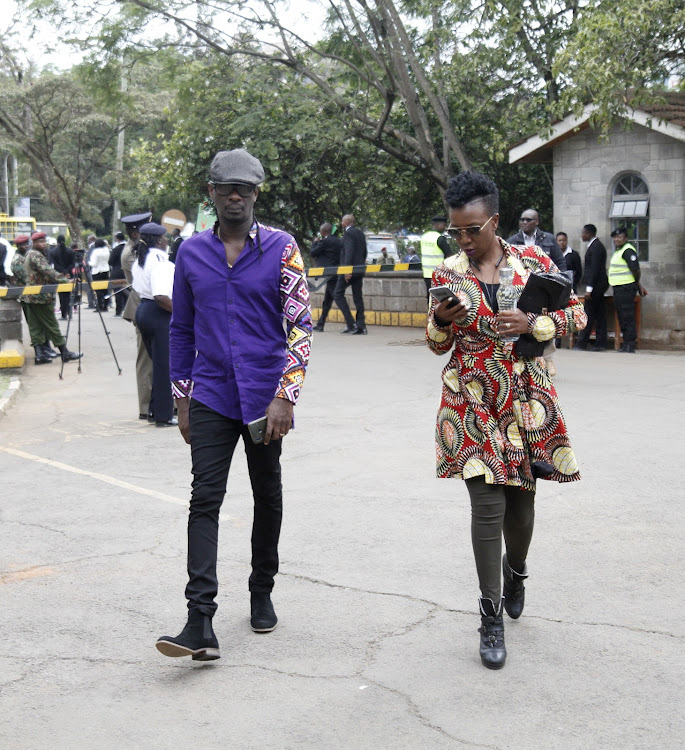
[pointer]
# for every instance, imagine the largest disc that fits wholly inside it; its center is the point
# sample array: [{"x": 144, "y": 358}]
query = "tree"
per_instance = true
[
  {"x": 315, "y": 172},
  {"x": 51, "y": 122},
  {"x": 371, "y": 70},
  {"x": 622, "y": 56}
]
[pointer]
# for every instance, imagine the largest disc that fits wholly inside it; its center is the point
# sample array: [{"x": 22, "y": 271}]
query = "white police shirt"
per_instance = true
[{"x": 156, "y": 277}]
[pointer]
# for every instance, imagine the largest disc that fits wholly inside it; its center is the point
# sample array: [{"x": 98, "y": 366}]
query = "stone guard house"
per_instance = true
[{"x": 635, "y": 178}]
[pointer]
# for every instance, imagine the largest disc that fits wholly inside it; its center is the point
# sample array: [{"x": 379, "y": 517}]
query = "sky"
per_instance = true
[{"x": 305, "y": 16}]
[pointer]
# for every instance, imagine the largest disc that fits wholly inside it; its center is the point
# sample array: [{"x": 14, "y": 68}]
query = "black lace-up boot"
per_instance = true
[
  {"x": 68, "y": 356},
  {"x": 514, "y": 592},
  {"x": 197, "y": 639},
  {"x": 41, "y": 357},
  {"x": 493, "y": 653}
]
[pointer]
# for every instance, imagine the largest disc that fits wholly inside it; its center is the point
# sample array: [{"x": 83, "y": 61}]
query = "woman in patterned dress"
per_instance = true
[{"x": 499, "y": 426}]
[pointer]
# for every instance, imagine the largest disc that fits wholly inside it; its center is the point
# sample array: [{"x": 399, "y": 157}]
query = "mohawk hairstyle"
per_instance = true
[{"x": 467, "y": 187}]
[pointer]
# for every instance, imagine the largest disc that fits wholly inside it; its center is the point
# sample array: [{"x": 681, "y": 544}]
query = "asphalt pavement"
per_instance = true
[{"x": 377, "y": 643}]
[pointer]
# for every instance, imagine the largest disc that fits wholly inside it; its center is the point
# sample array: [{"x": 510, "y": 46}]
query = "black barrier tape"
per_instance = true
[{"x": 13, "y": 292}]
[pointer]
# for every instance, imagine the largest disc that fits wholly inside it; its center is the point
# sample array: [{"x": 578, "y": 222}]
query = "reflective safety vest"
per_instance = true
[
  {"x": 431, "y": 254},
  {"x": 619, "y": 271}
]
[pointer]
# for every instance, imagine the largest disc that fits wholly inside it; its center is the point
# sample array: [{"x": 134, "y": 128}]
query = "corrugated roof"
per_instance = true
[{"x": 671, "y": 109}]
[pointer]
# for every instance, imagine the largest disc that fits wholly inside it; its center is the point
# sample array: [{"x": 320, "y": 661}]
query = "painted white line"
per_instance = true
[{"x": 93, "y": 475}]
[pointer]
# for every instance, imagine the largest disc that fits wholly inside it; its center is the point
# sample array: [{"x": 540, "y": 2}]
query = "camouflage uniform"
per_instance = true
[
  {"x": 41, "y": 317},
  {"x": 19, "y": 279},
  {"x": 17, "y": 268}
]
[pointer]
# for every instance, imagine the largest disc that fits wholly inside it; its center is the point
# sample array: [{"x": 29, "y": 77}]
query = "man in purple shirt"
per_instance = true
[{"x": 232, "y": 362}]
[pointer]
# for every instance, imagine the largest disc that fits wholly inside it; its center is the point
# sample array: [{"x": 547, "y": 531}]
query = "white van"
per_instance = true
[{"x": 375, "y": 244}]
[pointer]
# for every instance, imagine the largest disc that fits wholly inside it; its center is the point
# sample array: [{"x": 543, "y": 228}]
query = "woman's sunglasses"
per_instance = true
[{"x": 471, "y": 232}]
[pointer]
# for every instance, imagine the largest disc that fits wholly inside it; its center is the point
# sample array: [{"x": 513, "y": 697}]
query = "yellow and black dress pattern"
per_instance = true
[{"x": 499, "y": 413}]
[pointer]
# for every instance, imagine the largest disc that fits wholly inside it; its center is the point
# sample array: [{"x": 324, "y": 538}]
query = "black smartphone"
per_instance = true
[
  {"x": 442, "y": 293},
  {"x": 257, "y": 429}
]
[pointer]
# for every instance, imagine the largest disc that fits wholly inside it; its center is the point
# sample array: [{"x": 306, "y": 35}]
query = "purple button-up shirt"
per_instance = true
[{"x": 228, "y": 346}]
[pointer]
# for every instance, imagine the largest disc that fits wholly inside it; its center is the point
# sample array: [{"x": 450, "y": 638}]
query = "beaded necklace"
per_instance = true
[{"x": 489, "y": 289}]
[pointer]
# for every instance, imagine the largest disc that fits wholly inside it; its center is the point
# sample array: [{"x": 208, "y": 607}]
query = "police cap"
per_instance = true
[
  {"x": 157, "y": 230},
  {"x": 136, "y": 218}
]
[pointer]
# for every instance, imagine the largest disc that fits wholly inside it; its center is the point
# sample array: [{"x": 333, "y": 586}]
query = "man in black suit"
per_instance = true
[
  {"x": 326, "y": 253},
  {"x": 353, "y": 254},
  {"x": 572, "y": 258},
  {"x": 531, "y": 234},
  {"x": 596, "y": 283}
]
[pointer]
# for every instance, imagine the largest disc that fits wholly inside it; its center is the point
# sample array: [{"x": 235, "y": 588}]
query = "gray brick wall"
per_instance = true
[
  {"x": 585, "y": 171},
  {"x": 398, "y": 291}
]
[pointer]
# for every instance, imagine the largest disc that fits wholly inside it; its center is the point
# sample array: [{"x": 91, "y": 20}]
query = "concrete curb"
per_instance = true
[
  {"x": 12, "y": 354},
  {"x": 8, "y": 395}
]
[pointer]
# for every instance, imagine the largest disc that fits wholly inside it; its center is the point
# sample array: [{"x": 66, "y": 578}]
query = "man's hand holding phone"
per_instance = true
[{"x": 279, "y": 419}]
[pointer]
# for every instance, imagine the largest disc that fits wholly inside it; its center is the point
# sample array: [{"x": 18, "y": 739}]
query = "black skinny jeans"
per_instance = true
[
  {"x": 213, "y": 439},
  {"x": 497, "y": 508}
]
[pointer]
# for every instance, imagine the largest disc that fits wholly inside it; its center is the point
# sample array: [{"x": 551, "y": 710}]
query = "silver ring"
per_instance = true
[{"x": 508, "y": 325}]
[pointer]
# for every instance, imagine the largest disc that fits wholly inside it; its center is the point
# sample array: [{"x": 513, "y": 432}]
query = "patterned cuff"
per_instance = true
[
  {"x": 544, "y": 328},
  {"x": 532, "y": 317},
  {"x": 181, "y": 388}
]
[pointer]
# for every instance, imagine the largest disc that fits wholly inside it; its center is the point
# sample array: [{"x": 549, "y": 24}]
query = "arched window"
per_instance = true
[{"x": 630, "y": 209}]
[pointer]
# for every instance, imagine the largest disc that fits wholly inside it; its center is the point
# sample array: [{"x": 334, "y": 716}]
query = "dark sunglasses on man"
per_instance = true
[{"x": 224, "y": 189}]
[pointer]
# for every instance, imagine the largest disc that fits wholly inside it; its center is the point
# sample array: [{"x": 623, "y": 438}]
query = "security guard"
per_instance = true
[
  {"x": 435, "y": 247},
  {"x": 624, "y": 277}
]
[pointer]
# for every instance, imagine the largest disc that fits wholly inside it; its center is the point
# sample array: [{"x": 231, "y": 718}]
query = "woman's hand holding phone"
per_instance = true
[{"x": 449, "y": 309}]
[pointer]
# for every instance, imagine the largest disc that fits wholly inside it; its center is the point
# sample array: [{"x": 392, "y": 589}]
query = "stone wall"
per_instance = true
[
  {"x": 396, "y": 298},
  {"x": 585, "y": 172}
]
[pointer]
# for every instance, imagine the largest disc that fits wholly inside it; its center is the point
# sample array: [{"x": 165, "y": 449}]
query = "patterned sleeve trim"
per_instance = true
[
  {"x": 181, "y": 388},
  {"x": 298, "y": 315},
  {"x": 439, "y": 338},
  {"x": 558, "y": 323}
]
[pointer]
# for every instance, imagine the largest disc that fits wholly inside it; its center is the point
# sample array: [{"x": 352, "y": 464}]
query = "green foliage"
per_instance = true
[
  {"x": 315, "y": 172},
  {"x": 621, "y": 56},
  {"x": 374, "y": 116}
]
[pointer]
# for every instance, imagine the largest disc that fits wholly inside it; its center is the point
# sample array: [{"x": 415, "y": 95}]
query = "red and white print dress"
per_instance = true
[{"x": 498, "y": 413}]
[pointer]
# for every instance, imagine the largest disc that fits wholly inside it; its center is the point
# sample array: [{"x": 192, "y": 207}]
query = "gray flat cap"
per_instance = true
[{"x": 236, "y": 166}]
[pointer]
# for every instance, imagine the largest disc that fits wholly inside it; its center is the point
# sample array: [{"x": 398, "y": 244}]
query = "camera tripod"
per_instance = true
[{"x": 80, "y": 271}]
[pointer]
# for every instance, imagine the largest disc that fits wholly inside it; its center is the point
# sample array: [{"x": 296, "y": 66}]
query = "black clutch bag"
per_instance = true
[{"x": 543, "y": 292}]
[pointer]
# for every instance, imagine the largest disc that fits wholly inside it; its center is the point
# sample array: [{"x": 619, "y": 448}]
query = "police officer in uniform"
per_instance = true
[
  {"x": 624, "y": 277},
  {"x": 153, "y": 281},
  {"x": 132, "y": 225},
  {"x": 435, "y": 247}
]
